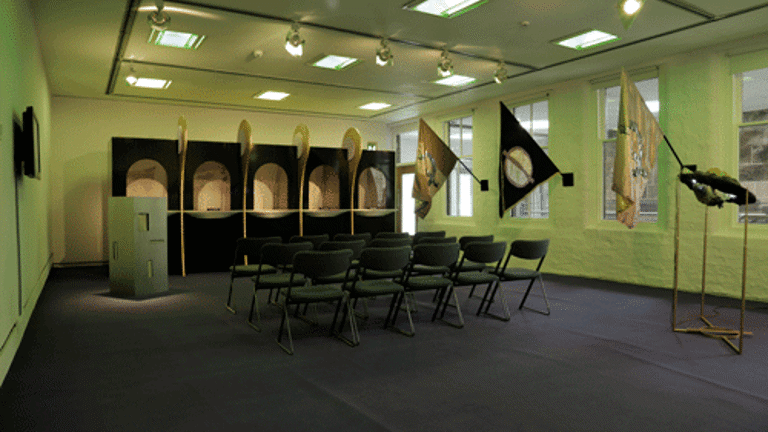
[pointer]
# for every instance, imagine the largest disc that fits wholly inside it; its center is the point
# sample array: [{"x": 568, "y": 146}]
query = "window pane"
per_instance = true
[
  {"x": 407, "y": 146},
  {"x": 459, "y": 184},
  {"x": 753, "y": 170},
  {"x": 754, "y": 96},
  {"x": 523, "y": 115}
]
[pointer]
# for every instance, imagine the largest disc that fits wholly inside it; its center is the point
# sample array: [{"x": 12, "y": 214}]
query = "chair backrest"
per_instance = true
[
  {"x": 528, "y": 249},
  {"x": 251, "y": 247},
  {"x": 390, "y": 242},
  {"x": 435, "y": 240},
  {"x": 316, "y": 264},
  {"x": 281, "y": 255},
  {"x": 436, "y": 254},
  {"x": 385, "y": 258},
  {"x": 316, "y": 240},
  {"x": 392, "y": 235},
  {"x": 356, "y": 246},
  {"x": 465, "y": 240},
  {"x": 423, "y": 234},
  {"x": 347, "y": 237},
  {"x": 485, "y": 252}
]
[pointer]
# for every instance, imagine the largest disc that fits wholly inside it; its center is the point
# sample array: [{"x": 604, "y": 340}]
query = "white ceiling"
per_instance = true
[{"x": 89, "y": 48}]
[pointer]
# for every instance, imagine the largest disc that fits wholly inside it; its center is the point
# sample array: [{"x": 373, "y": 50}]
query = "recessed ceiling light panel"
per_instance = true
[
  {"x": 375, "y": 106},
  {"x": 587, "y": 39},
  {"x": 272, "y": 95},
  {"x": 335, "y": 62},
  {"x": 455, "y": 80},
  {"x": 444, "y": 8},
  {"x": 152, "y": 83},
  {"x": 175, "y": 39}
]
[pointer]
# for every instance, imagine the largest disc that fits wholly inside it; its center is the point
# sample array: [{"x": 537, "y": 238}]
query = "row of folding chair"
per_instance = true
[{"x": 346, "y": 270}]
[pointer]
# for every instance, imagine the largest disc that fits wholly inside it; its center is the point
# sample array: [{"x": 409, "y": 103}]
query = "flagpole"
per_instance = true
[
  {"x": 470, "y": 171},
  {"x": 674, "y": 152}
]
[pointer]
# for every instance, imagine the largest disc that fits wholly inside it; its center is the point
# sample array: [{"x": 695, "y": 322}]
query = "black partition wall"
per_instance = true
[{"x": 212, "y": 222}]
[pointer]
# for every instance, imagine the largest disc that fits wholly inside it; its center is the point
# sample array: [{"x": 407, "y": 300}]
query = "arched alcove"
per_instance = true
[
  {"x": 372, "y": 189},
  {"x": 323, "y": 188},
  {"x": 270, "y": 188},
  {"x": 211, "y": 185},
  {"x": 146, "y": 178}
]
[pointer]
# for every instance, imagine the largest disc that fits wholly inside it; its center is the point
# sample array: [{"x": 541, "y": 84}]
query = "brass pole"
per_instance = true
[
  {"x": 704, "y": 260},
  {"x": 744, "y": 274},
  {"x": 677, "y": 257}
]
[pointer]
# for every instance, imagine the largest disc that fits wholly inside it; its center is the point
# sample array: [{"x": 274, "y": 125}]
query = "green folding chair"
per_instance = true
[{"x": 248, "y": 249}]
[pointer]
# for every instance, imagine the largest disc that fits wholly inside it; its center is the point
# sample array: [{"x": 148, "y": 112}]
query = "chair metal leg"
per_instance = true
[
  {"x": 355, "y": 341},
  {"x": 546, "y": 301},
  {"x": 285, "y": 322},
  {"x": 505, "y": 308},
  {"x": 230, "y": 305},
  {"x": 254, "y": 305},
  {"x": 402, "y": 297},
  {"x": 452, "y": 293}
]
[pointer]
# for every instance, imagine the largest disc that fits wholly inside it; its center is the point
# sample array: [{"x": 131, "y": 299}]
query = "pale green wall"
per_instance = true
[
  {"x": 23, "y": 82},
  {"x": 696, "y": 110},
  {"x": 81, "y": 149}
]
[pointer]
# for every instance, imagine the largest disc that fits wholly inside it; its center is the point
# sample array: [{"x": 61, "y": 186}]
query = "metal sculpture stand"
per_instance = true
[{"x": 711, "y": 330}]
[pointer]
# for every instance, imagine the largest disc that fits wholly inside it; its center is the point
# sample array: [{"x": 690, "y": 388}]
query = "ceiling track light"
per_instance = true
[
  {"x": 444, "y": 66},
  {"x": 159, "y": 20},
  {"x": 501, "y": 74},
  {"x": 628, "y": 10},
  {"x": 294, "y": 44},
  {"x": 384, "y": 54}
]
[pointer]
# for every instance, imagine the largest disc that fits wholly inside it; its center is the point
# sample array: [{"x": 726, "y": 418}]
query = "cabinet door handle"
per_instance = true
[{"x": 114, "y": 250}]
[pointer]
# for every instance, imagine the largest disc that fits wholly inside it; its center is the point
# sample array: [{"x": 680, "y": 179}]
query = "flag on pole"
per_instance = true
[
  {"x": 434, "y": 162},
  {"x": 638, "y": 138},
  {"x": 523, "y": 164}
]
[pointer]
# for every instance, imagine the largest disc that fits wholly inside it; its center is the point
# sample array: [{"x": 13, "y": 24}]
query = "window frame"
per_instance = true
[{"x": 457, "y": 170}]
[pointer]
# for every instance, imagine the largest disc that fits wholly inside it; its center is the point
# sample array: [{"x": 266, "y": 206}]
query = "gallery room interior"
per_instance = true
[{"x": 94, "y": 100}]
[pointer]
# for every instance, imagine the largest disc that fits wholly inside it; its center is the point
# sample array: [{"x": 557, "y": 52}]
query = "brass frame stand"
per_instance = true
[{"x": 710, "y": 330}]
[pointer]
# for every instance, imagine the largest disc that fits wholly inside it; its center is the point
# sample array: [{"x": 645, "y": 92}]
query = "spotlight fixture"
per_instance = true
[
  {"x": 501, "y": 74},
  {"x": 159, "y": 20},
  {"x": 384, "y": 54},
  {"x": 294, "y": 44},
  {"x": 628, "y": 10},
  {"x": 444, "y": 66}
]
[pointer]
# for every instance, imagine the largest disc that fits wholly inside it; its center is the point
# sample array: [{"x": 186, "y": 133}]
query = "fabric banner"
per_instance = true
[
  {"x": 523, "y": 164},
  {"x": 434, "y": 162},
  {"x": 638, "y": 138}
]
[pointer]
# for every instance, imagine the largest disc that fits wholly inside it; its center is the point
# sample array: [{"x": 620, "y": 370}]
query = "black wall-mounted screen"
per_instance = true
[{"x": 27, "y": 145}]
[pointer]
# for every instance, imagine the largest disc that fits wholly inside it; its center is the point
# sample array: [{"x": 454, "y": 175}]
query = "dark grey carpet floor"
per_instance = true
[{"x": 605, "y": 360}]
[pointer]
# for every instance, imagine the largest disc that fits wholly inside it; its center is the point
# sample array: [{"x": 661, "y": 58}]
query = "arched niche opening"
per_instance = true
[
  {"x": 323, "y": 188},
  {"x": 211, "y": 184},
  {"x": 146, "y": 178},
  {"x": 372, "y": 189},
  {"x": 270, "y": 188}
]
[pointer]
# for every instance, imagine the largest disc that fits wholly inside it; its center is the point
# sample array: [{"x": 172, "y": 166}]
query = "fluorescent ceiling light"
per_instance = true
[
  {"x": 272, "y": 95},
  {"x": 335, "y": 62},
  {"x": 175, "y": 39},
  {"x": 455, "y": 80},
  {"x": 444, "y": 8},
  {"x": 152, "y": 83},
  {"x": 588, "y": 39},
  {"x": 375, "y": 106}
]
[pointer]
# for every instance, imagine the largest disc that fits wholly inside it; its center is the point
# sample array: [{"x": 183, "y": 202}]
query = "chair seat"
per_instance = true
[
  {"x": 430, "y": 270},
  {"x": 469, "y": 266},
  {"x": 475, "y": 278},
  {"x": 380, "y": 274},
  {"x": 281, "y": 280},
  {"x": 333, "y": 279},
  {"x": 513, "y": 274},
  {"x": 420, "y": 283},
  {"x": 376, "y": 287},
  {"x": 251, "y": 269},
  {"x": 316, "y": 293}
]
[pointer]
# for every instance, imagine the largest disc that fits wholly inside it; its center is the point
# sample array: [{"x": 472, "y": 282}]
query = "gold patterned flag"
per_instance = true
[
  {"x": 434, "y": 162},
  {"x": 638, "y": 138}
]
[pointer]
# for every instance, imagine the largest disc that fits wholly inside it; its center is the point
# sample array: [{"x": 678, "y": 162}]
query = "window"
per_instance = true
[
  {"x": 407, "y": 147},
  {"x": 753, "y": 140},
  {"x": 459, "y": 184},
  {"x": 535, "y": 119},
  {"x": 609, "y": 100}
]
